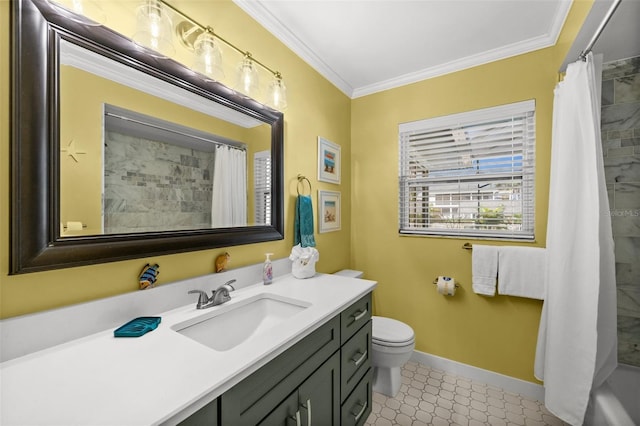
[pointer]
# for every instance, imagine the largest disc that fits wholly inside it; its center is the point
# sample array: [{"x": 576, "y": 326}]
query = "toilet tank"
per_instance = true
[{"x": 350, "y": 273}]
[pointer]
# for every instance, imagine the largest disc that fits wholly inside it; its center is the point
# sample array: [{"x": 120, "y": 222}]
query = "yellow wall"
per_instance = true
[
  {"x": 497, "y": 334},
  {"x": 316, "y": 108}
]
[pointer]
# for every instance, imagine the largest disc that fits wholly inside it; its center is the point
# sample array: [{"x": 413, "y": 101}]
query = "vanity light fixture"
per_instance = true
[
  {"x": 190, "y": 33},
  {"x": 154, "y": 28}
]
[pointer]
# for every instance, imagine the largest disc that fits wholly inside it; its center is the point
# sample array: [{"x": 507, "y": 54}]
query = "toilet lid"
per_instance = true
[{"x": 388, "y": 330}]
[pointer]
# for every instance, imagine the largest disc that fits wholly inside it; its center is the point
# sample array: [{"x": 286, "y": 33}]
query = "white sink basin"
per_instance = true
[{"x": 229, "y": 325}]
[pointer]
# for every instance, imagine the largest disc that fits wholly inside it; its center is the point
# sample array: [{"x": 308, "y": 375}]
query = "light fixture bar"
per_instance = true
[{"x": 204, "y": 28}]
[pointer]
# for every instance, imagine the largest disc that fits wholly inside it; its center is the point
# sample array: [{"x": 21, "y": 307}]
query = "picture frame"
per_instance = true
[
  {"x": 329, "y": 161},
  {"x": 329, "y": 211}
]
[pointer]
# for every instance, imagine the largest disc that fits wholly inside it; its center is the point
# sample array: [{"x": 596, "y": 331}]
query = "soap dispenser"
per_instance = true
[{"x": 267, "y": 270}]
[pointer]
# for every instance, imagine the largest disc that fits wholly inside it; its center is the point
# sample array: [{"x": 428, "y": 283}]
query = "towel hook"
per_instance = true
[{"x": 301, "y": 179}]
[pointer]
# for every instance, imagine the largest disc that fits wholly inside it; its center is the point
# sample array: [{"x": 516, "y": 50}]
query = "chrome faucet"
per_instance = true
[{"x": 219, "y": 296}]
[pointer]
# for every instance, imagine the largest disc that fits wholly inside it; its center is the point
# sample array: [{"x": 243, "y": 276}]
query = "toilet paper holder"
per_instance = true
[
  {"x": 435, "y": 282},
  {"x": 66, "y": 226}
]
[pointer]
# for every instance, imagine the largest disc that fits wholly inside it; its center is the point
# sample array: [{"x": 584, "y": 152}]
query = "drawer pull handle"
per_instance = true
[
  {"x": 307, "y": 407},
  {"x": 359, "y": 360},
  {"x": 360, "y": 413},
  {"x": 359, "y": 315}
]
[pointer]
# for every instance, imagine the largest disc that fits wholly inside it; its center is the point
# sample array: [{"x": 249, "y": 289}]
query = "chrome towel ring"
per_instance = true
[{"x": 301, "y": 180}]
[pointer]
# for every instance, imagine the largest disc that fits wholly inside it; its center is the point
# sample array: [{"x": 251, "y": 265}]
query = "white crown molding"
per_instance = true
[{"x": 263, "y": 16}]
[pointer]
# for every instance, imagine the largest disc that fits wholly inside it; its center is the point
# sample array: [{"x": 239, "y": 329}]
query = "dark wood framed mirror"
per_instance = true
[{"x": 37, "y": 242}]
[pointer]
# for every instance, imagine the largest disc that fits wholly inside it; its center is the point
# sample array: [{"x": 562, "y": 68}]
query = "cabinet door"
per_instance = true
[
  {"x": 319, "y": 395},
  {"x": 287, "y": 413}
]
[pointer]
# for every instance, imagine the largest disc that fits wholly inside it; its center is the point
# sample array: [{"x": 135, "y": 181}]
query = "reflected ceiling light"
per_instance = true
[
  {"x": 154, "y": 27},
  {"x": 208, "y": 58},
  {"x": 83, "y": 9},
  {"x": 247, "y": 77},
  {"x": 277, "y": 96}
]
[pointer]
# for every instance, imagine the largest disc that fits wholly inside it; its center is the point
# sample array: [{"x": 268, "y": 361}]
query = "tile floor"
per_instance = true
[{"x": 433, "y": 397}]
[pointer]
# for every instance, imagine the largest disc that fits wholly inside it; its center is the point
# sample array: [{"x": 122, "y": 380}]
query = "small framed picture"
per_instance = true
[
  {"x": 328, "y": 211},
  {"x": 328, "y": 161}
]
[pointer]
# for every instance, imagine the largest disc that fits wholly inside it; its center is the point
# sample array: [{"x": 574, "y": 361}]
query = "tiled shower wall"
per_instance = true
[
  {"x": 155, "y": 186},
  {"x": 621, "y": 149}
]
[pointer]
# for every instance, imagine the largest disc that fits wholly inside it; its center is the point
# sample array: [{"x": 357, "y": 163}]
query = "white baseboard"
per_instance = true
[{"x": 507, "y": 383}]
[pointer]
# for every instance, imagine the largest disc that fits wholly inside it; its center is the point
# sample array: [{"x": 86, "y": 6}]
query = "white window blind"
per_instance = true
[
  {"x": 262, "y": 187},
  {"x": 469, "y": 174}
]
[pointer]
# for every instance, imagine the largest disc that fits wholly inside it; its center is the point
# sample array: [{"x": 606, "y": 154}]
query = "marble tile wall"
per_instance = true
[
  {"x": 621, "y": 150},
  {"x": 155, "y": 186}
]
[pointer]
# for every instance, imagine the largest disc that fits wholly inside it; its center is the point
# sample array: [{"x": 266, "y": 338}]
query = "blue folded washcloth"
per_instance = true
[{"x": 303, "y": 227}]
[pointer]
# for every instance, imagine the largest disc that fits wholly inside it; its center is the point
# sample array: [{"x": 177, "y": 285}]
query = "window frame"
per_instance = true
[{"x": 514, "y": 173}]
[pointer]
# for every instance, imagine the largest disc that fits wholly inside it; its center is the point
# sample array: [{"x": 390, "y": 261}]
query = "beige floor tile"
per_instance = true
[{"x": 434, "y": 397}]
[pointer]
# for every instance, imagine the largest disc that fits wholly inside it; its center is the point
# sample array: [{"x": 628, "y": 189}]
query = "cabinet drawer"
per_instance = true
[
  {"x": 357, "y": 407},
  {"x": 355, "y": 359},
  {"x": 252, "y": 399},
  {"x": 354, "y": 317}
]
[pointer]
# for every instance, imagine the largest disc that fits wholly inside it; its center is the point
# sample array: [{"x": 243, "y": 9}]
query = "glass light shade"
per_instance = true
[
  {"x": 277, "y": 96},
  {"x": 208, "y": 57},
  {"x": 154, "y": 28},
  {"x": 247, "y": 78}
]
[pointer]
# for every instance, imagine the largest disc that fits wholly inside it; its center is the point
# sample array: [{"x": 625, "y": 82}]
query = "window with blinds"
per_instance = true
[
  {"x": 262, "y": 187},
  {"x": 469, "y": 174}
]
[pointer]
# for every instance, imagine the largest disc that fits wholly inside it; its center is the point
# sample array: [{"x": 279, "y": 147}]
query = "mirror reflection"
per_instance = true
[{"x": 139, "y": 155}]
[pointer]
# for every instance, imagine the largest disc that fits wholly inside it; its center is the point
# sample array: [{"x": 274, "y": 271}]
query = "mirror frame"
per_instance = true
[{"x": 35, "y": 242}]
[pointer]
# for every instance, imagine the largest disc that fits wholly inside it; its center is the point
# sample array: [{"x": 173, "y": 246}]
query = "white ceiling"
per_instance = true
[{"x": 366, "y": 46}]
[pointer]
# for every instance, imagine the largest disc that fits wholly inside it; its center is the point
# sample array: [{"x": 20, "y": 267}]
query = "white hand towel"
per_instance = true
[
  {"x": 521, "y": 271},
  {"x": 484, "y": 268}
]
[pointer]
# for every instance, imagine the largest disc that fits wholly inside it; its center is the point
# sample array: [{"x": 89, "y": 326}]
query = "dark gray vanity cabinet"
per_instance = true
[{"x": 323, "y": 380}]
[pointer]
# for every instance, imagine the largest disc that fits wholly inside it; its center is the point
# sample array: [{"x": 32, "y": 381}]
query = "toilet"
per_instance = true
[{"x": 392, "y": 343}]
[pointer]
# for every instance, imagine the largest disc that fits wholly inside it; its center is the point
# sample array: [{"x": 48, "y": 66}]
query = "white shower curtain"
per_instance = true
[
  {"x": 229, "y": 197},
  {"x": 577, "y": 340}
]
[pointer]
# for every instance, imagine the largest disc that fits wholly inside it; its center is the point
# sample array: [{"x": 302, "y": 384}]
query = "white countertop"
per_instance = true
[{"x": 162, "y": 376}]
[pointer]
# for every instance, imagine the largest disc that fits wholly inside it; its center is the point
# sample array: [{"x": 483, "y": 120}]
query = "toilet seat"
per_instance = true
[{"x": 390, "y": 332}]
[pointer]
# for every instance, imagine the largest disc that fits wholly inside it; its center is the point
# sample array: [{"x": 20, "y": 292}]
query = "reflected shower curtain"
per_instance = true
[
  {"x": 229, "y": 197},
  {"x": 577, "y": 339}
]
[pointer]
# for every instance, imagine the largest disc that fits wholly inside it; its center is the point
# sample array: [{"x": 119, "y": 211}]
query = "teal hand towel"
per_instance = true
[{"x": 303, "y": 232}]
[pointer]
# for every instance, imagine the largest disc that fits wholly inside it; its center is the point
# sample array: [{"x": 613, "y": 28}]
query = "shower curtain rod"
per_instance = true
[
  {"x": 596, "y": 35},
  {"x": 237, "y": 145}
]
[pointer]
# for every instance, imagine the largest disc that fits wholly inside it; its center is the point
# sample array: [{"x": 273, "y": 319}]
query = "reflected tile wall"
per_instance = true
[
  {"x": 155, "y": 186},
  {"x": 621, "y": 149}
]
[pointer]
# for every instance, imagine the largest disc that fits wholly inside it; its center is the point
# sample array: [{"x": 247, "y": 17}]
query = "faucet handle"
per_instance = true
[
  {"x": 203, "y": 299},
  {"x": 228, "y": 285}
]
